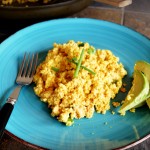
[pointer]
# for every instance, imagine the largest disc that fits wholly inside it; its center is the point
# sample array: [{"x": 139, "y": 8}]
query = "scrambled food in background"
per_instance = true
[
  {"x": 9, "y": 2},
  {"x": 75, "y": 80}
]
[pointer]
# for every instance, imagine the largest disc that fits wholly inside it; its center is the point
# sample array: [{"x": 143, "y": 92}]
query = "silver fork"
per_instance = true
[{"x": 24, "y": 77}]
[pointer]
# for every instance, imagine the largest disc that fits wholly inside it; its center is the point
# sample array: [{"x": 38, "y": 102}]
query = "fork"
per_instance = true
[{"x": 24, "y": 77}]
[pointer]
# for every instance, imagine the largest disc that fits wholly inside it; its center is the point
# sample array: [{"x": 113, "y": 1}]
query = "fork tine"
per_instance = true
[
  {"x": 34, "y": 65},
  {"x": 26, "y": 66},
  {"x": 22, "y": 65},
  {"x": 30, "y": 66}
]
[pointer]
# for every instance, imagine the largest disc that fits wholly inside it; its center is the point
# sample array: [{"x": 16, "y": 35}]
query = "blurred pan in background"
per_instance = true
[
  {"x": 17, "y": 16},
  {"x": 40, "y": 11}
]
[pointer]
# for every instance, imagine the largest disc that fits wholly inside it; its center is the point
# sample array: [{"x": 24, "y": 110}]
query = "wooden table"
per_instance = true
[{"x": 116, "y": 3}]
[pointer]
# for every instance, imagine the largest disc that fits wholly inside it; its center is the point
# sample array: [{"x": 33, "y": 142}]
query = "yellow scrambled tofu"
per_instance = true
[
  {"x": 9, "y": 2},
  {"x": 71, "y": 97}
]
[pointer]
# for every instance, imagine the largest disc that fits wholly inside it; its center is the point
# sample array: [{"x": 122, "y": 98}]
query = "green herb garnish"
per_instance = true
[
  {"x": 81, "y": 44},
  {"x": 74, "y": 60},
  {"x": 88, "y": 70},
  {"x": 55, "y": 69},
  {"x": 69, "y": 122},
  {"x": 79, "y": 64},
  {"x": 91, "y": 50}
]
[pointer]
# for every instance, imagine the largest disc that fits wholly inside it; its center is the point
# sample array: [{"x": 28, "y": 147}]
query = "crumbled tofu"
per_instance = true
[
  {"x": 115, "y": 104},
  {"x": 123, "y": 113},
  {"x": 9, "y": 2},
  {"x": 124, "y": 84},
  {"x": 122, "y": 101},
  {"x": 74, "y": 98},
  {"x": 113, "y": 112},
  {"x": 123, "y": 89},
  {"x": 132, "y": 110}
]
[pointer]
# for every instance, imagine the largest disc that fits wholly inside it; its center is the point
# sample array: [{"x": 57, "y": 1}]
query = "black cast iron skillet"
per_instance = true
[
  {"x": 55, "y": 9},
  {"x": 15, "y": 17}
]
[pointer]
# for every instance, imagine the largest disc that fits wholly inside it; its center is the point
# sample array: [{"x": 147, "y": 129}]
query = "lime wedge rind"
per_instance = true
[
  {"x": 144, "y": 67},
  {"x": 138, "y": 92}
]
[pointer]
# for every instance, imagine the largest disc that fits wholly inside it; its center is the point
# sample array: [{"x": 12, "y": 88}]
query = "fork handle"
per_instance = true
[
  {"x": 6, "y": 110},
  {"x": 5, "y": 113}
]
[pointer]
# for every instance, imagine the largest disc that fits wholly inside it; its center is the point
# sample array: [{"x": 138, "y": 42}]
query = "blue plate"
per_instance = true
[{"x": 30, "y": 120}]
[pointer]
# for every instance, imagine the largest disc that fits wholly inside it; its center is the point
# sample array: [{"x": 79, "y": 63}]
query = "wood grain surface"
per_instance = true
[{"x": 117, "y": 3}]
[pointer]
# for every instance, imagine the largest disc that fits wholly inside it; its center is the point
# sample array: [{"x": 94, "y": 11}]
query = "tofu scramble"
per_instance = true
[
  {"x": 9, "y": 2},
  {"x": 71, "y": 97}
]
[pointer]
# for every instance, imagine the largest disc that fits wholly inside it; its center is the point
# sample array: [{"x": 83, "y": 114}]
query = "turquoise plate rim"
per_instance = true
[{"x": 130, "y": 145}]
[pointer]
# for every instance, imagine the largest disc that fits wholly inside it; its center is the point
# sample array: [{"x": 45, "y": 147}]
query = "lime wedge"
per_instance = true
[
  {"x": 137, "y": 93},
  {"x": 145, "y": 68},
  {"x": 141, "y": 104},
  {"x": 148, "y": 102}
]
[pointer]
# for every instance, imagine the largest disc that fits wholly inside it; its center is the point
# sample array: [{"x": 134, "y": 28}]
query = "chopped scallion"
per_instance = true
[
  {"x": 91, "y": 50},
  {"x": 74, "y": 59},
  {"x": 55, "y": 69},
  {"x": 69, "y": 122},
  {"x": 75, "y": 62},
  {"x": 81, "y": 44},
  {"x": 88, "y": 70},
  {"x": 79, "y": 64}
]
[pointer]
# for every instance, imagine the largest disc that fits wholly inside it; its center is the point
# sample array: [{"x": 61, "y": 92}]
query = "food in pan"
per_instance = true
[{"x": 9, "y": 2}]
